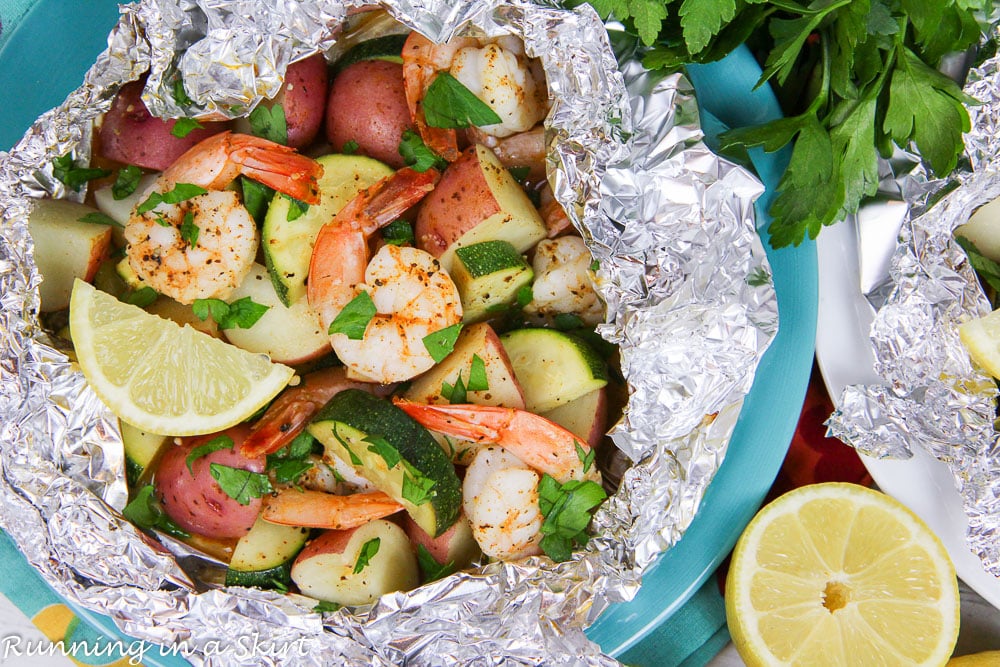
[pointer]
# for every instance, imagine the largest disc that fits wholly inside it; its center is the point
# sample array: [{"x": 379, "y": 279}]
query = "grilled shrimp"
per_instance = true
[
  {"x": 204, "y": 245},
  {"x": 413, "y": 296},
  {"x": 500, "y": 499},
  {"x": 496, "y": 71},
  {"x": 562, "y": 281}
]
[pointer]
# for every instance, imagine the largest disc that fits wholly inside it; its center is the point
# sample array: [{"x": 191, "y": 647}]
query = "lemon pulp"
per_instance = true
[
  {"x": 162, "y": 377},
  {"x": 838, "y": 574}
]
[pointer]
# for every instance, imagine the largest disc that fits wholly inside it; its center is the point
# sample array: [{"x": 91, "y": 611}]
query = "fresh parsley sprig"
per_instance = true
[
  {"x": 567, "y": 509},
  {"x": 242, "y": 313},
  {"x": 854, "y": 78}
]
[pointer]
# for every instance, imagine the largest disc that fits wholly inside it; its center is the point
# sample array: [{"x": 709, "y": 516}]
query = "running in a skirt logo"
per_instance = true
[{"x": 137, "y": 651}]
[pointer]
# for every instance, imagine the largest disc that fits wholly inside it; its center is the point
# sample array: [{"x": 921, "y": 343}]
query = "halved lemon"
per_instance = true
[
  {"x": 164, "y": 378},
  {"x": 838, "y": 574},
  {"x": 981, "y": 338}
]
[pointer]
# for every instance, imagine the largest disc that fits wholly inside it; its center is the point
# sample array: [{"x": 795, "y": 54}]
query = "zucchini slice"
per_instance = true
[
  {"x": 391, "y": 450},
  {"x": 553, "y": 367},
  {"x": 488, "y": 275},
  {"x": 288, "y": 244},
  {"x": 263, "y": 557},
  {"x": 141, "y": 449}
]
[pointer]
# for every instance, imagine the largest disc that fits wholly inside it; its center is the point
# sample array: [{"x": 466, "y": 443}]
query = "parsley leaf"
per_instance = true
[
  {"x": 524, "y": 296},
  {"x": 761, "y": 276},
  {"x": 256, "y": 198},
  {"x": 242, "y": 313},
  {"x": 417, "y": 155},
  {"x": 189, "y": 230},
  {"x": 73, "y": 177},
  {"x": 477, "y": 375},
  {"x": 145, "y": 512},
  {"x": 141, "y": 297},
  {"x": 180, "y": 192},
  {"x": 180, "y": 95},
  {"x": 296, "y": 208},
  {"x": 325, "y": 606},
  {"x": 353, "y": 319},
  {"x": 355, "y": 459},
  {"x": 350, "y": 147},
  {"x": 184, "y": 126},
  {"x": 431, "y": 569},
  {"x": 567, "y": 321},
  {"x": 567, "y": 509},
  {"x": 213, "y": 445},
  {"x": 126, "y": 182},
  {"x": 455, "y": 393},
  {"x": 98, "y": 218},
  {"x": 586, "y": 456},
  {"x": 439, "y": 344},
  {"x": 417, "y": 488},
  {"x": 240, "y": 485},
  {"x": 449, "y": 104},
  {"x": 288, "y": 471},
  {"x": 703, "y": 19},
  {"x": 368, "y": 551},
  {"x": 988, "y": 270},
  {"x": 398, "y": 232},
  {"x": 269, "y": 123},
  {"x": 382, "y": 447}
]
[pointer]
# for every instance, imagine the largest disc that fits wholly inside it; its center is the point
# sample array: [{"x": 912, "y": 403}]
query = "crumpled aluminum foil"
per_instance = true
[
  {"x": 933, "y": 397},
  {"x": 670, "y": 223}
]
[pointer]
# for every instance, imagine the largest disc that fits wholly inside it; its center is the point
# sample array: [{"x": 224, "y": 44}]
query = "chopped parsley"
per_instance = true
[
  {"x": 242, "y": 313},
  {"x": 350, "y": 147},
  {"x": 431, "y": 569},
  {"x": 417, "y": 154},
  {"x": 185, "y": 126},
  {"x": 368, "y": 551},
  {"x": 180, "y": 192},
  {"x": 586, "y": 456},
  {"x": 213, "y": 445},
  {"x": 256, "y": 198},
  {"x": 439, "y": 344},
  {"x": 98, "y": 218},
  {"x": 449, "y": 104},
  {"x": 379, "y": 445},
  {"x": 126, "y": 182},
  {"x": 296, "y": 208},
  {"x": 240, "y": 485},
  {"x": 141, "y": 297},
  {"x": 567, "y": 509},
  {"x": 269, "y": 123},
  {"x": 398, "y": 232},
  {"x": 189, "y": 230},
  {"x": 417, "y": 488},
  {"x": 353, "y": 319},
  {"x": 72, "y": 176},
  {"x": 145, "y": 512}
]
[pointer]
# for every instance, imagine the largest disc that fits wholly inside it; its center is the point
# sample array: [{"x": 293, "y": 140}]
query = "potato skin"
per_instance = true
[
  {"x": 461, "y": 200},
  {"x": 195, "y": 501},
  {"x": 367, "y": 104},
  {"x": 131, "y": 135},
  {"x": 303, "y": 99}
]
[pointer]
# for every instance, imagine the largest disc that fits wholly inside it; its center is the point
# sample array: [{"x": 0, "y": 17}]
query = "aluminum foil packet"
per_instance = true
[
  {"x": 670, "y": 223},
  {"x": 933, "y": 397}
]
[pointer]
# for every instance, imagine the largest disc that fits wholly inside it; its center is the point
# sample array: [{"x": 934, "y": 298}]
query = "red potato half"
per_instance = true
[
  {"x": 194, "y": 500},
  {"x": 476, "y": 200},
  {"x": 131, "y": 135},
  {"x": 65, "y": 248},
  {"x": 367, "y": 105},
  {"x": 475, "y": 340},
  {"x": 325, "y": 569},
  {"x": 455, "y": 545},
  {"x": 586, "y": 416},
  {"x": 302, "y": 98}
]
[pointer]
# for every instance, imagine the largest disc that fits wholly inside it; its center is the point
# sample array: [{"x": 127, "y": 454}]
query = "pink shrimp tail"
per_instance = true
[
  {"x": 288, "y": 416},
  {"x": 278, "y": 167},
  {"x": 316, "y": 509},
  {"x": 540, "y": 443}
]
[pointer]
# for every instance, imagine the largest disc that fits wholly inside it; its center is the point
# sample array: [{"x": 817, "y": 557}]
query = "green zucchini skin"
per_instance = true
[
  {"x": 263, "y": 557},
  {"x": 353, "y": 415}
]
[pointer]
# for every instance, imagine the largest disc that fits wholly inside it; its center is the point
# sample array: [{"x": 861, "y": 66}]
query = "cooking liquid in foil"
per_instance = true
[{"x": 670, "y": 223}]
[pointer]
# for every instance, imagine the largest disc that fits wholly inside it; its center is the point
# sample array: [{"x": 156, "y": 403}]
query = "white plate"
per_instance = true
[{"x": 844, "y": 355}]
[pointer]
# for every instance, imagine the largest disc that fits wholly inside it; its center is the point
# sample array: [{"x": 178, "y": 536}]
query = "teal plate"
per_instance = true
[
  {"x": 726, "y": 92},
  {"x": 45, "y": 58}
]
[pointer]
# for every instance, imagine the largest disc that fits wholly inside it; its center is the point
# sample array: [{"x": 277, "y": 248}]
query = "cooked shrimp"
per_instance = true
[
  {"x": 562, "y": 281},
  {"x": 291, "y": 411},
  {"x": 204, "y": 245},
  {"x": 500, "y": 499},
  {"x": 496, "y": 71},
  {"x": 539, "y": 443},
  {"x": 413, "y": 296},
  {"x": 315, "y": 509}
]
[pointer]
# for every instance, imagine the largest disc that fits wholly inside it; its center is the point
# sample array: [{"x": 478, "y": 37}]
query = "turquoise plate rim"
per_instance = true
[
  {"x": 727, "y": 98},
  {"x": 40, "y": 73}
]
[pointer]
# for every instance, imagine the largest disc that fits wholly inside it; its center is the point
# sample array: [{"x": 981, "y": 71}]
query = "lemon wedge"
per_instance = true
[
  {"x": 838, "y": 574},
  {"x": 981, "y": 338},
  {"x": 164, "y": 378}
]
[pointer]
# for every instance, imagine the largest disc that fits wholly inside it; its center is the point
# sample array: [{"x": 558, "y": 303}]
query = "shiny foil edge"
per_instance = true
[
  {"x": 933, "y": 396},
  {"x": 613, "y": 164}
]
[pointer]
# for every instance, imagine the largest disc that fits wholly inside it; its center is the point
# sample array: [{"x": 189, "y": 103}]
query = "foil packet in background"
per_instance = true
[
  {"x": 933, "y": 398},
  {"x": 670, "y": 223}
]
